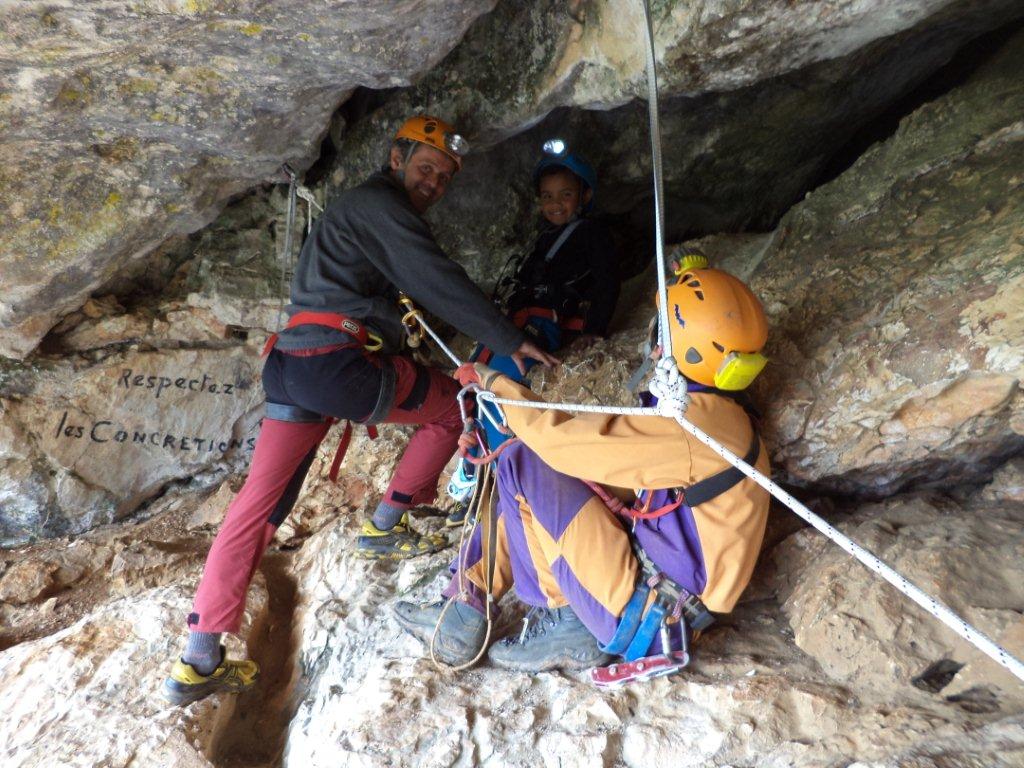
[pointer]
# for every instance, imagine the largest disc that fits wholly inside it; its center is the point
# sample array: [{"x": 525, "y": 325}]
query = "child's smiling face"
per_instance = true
[{"x": 561, "y": 196}]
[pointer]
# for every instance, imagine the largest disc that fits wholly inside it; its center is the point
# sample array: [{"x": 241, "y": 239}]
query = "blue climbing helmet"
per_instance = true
[{"x": 557, "y": 155}]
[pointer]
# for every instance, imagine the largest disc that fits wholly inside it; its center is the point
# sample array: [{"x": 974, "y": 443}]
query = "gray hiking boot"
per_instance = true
[
  {"x": 552, "y": 638},
  {"x": 460, "y": 637}
]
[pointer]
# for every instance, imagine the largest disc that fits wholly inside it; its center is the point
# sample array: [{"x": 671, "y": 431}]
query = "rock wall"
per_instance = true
[
  {"x": 748, "y": 122},
  {"x": 109, "y": 156},
  {"x": 85, "y": 439},
  {"x": 126, "y": 122},
  {"x": 895, "y": 298}
]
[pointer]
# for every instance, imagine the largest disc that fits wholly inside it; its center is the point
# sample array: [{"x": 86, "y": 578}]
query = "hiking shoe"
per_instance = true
[
  {"x": 398, "y": 543},
  {"x": 428, "y": 510},
  {"x": 552, "y": 638},
  {"x": 462, "y": 631},
  {"x": 186, "y": 685},
  {"x": 458, "y": 516}
]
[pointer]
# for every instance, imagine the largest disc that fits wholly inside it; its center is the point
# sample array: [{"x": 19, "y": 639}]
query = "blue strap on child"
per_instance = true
[{"x": 629, "y": 623}]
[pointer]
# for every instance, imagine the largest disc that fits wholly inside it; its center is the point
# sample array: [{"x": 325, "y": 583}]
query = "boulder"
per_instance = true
[
  {"x": 89, "y": 695},
  {"x": 864, "y": 633},
  {"x": 132, "y": 122},
  {"x": 85, "y": 440},
  {"x": 896, "y": 301}
]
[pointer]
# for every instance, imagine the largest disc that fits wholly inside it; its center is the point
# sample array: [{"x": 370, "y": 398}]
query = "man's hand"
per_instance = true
[
  {"x": 531, "y": 350},
  {"x": 475, "y": 373}
]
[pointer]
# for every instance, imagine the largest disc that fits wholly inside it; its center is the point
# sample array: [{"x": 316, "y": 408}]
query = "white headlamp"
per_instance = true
[
  {"x": 456, "y": 144},
  {"x": 554, "y": 147}
]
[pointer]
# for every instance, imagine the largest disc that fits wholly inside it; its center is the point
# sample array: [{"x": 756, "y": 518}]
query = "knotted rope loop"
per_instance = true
[{"x": 669, "y": 386}]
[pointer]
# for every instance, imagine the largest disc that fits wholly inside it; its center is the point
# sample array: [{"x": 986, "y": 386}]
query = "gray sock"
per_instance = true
[
  {"x": 386, "y": 517},
  {"x": 203, "y": 651}
]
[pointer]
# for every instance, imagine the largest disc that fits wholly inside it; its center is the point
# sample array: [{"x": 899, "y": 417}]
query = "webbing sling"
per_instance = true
[
  {"x": 705, "y": 490},
  {"x": 569, "y": 229}
]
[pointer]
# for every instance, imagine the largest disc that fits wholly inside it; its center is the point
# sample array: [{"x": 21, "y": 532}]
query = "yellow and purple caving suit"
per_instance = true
[{"x": 559, "y": 544}]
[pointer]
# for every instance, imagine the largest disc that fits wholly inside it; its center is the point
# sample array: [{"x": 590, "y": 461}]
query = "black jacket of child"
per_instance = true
[{"x": 580, "y": 280}]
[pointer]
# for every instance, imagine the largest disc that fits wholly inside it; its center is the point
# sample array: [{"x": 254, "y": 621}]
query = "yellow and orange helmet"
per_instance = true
[
  {"x": 718, "y": 329},
  {"x": 435, "y": 132}
]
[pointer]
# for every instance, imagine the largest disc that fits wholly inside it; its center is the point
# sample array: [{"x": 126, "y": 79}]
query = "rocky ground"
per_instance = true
[
  {"x": 820, "y": 665},
  {"x": 893, "y": 403}
]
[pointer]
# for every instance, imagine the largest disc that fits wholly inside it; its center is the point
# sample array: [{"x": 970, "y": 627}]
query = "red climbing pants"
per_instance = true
[{"x": 283, "y": 454}]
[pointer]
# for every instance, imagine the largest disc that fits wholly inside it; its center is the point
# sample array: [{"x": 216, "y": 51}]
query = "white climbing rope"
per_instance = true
[
  {"x": 664, "y": 334},
  {"x": 295, "y": 191},
  {"x": 306, "y": 194},
  {"x": 673, "y": 396},
  {"x": 418, "y": 314}
]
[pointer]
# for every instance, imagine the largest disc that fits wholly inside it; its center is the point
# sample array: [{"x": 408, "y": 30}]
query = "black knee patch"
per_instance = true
[
  {"x": 418, "y": 395},
  {"x": 291, "y": 492}
]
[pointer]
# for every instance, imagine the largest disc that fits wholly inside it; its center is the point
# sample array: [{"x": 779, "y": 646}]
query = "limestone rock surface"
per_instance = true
[
  {"x": 1007, "y": 483},
  {"x": 370, "y": 696},
  {"x": 88, "y": 695},
  {"x": 84, "y": 440},
  {"x": 866, "y": 634},
  {"x": 896, "y": 300},
  {"x": 124, "y": 123}
]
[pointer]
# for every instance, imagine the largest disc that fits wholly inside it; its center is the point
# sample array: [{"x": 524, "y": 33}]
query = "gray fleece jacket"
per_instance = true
[{"x": 368, "y": 244}]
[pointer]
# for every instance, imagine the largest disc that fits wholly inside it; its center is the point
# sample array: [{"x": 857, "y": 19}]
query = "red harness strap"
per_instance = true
[
  {"x": 568, "y": 323},
  {"x": 643, "y": 512},
  {"x": 346, "y": 438},
  {"x": 333, "y": 320},
  {"x": 353, "y": 328}
]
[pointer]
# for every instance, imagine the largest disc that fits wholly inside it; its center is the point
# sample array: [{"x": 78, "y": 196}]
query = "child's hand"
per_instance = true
[{"x": 531, "y": 350}]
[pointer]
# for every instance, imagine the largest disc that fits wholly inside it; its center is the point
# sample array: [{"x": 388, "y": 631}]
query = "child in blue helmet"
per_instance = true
[
  {"x": 565, "y": 289},
  {"x": 568, "y": 285}
]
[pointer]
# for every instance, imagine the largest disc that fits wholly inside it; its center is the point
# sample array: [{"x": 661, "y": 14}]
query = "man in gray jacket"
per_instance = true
[{"x": 339, "y": 358}]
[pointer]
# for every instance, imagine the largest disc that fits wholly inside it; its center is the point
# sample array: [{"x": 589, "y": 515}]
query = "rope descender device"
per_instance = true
[{"x": 411, "y": 321}]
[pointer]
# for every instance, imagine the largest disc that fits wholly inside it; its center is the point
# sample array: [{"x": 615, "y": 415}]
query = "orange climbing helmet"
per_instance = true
[
  {"x": 718, "y": 329},
  {"x": 436, "y": 133}
]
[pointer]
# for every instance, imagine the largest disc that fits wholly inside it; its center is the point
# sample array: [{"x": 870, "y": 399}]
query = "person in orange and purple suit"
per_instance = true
[{"x": 580, "y": 547}]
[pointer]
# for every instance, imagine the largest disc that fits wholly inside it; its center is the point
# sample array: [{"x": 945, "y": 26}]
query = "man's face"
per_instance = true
[
  {"x": 560, "y": 196},
  {"x": 425, "y": 177}
]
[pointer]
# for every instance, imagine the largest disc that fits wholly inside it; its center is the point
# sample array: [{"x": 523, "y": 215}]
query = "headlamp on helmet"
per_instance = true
[
  {"x": 556, "y": 154},
  {"x": 456, "y": 144},
  {"x": 554, "y": 147},
  {"x": 435, "y": 132}
]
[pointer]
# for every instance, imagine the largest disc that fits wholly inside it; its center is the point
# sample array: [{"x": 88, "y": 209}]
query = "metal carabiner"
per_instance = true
[{"x": 414, "y": 332}]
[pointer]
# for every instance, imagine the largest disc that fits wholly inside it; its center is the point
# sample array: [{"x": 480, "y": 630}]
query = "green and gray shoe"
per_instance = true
[
  {"x": 457, "y": 517},
  {"x": 185, "y": 685},
  {"x": 398, "y": 543}
]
